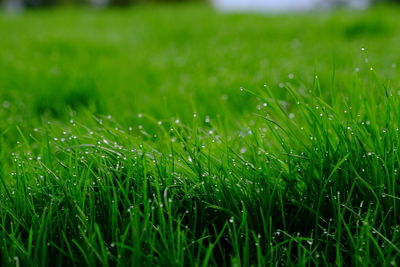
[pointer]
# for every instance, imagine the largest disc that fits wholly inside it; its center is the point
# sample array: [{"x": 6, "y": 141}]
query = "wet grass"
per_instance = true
[{"x": 176, "y": 136}]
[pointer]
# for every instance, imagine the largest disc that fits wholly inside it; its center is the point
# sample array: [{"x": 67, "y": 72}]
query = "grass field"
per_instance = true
[{"x": 177, "y": 136}]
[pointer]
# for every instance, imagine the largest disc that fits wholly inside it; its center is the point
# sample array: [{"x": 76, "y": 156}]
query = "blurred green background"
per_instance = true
[
  {"x": 151, "y": 59},
  {"x": 41, "y": 3}
]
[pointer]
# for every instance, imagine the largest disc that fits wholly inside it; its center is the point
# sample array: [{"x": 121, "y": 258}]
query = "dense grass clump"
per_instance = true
[{"x": 244, "y": 140}]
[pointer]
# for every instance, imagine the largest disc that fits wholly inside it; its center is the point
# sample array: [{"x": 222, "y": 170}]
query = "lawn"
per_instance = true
[{"x": 178, "y": 136}]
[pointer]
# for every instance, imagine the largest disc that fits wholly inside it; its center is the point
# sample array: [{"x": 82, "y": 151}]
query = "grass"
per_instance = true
[{"x": 177, "y": 136}]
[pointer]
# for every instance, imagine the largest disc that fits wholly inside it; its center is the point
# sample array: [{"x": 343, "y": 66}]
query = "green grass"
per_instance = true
[{"x": 177, "y": 136}]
